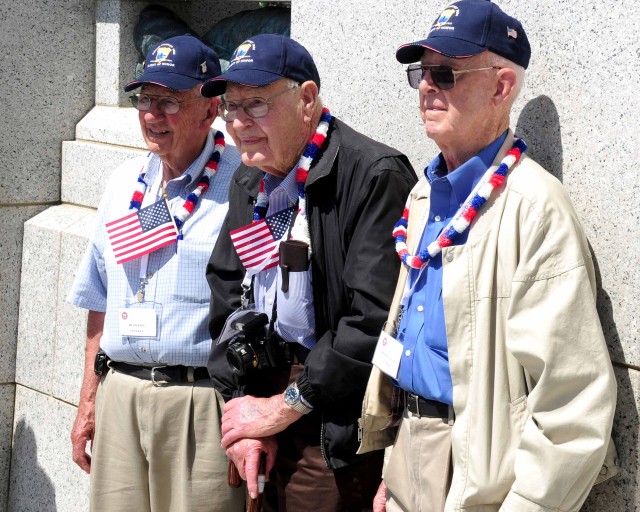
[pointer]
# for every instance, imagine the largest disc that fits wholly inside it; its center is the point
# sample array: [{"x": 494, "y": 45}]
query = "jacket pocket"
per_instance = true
[{"x": 519, "y": 413}]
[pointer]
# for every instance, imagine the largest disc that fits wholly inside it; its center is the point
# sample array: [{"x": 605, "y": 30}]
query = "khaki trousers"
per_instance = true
[
  {"x": 418, "y": 472},
  {"x": 157, "y": 449}
]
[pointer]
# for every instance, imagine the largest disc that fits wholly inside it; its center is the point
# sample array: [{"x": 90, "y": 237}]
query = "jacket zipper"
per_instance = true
[
  {"x": 315, "y": 298},
  {"x": 322, "y": 450}
]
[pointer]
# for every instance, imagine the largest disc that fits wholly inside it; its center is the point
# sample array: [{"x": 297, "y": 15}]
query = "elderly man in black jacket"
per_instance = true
[{"x": 307, "y": 242}]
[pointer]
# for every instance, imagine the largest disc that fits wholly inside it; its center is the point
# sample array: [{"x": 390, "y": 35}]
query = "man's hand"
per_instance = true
[
  {"x": 245, "y": 454},
  {"x": 249, "y": 416},
  {"x": 84, "y": 426},
  {"x": 380, "y": 499},
  {"x": 82, "y": 433}
]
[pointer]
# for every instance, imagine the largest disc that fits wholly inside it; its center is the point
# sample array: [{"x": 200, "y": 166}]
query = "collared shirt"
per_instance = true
[
  {"x": 176, "y": 287},
  {"x": 295, "y": 317},
  {"x": 424, "y": 367}
]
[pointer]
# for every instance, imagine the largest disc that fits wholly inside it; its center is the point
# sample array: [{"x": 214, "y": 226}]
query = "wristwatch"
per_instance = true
[{"x": 293, "y": 399}]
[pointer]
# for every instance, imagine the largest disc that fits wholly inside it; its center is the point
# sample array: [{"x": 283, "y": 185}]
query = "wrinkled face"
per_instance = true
[
  {"x": 274, "y": 142},
  {"x": 173, "y": 135},
  {"x": 456, "y": 115}
]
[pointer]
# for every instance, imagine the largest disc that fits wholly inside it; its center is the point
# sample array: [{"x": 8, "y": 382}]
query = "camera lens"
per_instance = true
[{"x": 241, "y": 357}]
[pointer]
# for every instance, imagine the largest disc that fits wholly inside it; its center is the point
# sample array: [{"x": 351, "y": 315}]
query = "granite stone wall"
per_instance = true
[
  {"x": 579, "y": 114},
  {"x": 46, "y": 86},
  {"x": 64, "y": 67}
]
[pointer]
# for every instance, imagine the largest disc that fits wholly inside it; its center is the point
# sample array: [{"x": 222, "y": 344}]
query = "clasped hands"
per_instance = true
[{"x": 249, "y": 425}]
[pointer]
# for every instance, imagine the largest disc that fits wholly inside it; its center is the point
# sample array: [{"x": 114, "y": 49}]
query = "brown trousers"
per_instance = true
[
  {"x": 157, "y": 449},
  {"x": 302, "y": 481}
]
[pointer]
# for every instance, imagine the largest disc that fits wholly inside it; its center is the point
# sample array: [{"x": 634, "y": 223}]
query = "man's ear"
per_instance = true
[
  {"x": 506, "y": 86},
  {"x": 211, "y": 112},
  {"x": 309, "y": 96}
]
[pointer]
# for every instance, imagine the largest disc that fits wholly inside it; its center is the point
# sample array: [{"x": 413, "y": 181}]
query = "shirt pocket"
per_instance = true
[{"x": 190, "y": 280}]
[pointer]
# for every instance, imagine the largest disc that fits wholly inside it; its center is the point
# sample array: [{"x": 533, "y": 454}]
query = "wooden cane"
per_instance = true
[{"x": 233, "y": 477}]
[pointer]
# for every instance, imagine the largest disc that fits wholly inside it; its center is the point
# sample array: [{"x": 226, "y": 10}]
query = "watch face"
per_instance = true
[{"x": 291, "y": 395}]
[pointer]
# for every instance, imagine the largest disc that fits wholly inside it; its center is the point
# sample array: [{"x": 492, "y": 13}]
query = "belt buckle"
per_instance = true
[{"x": 157, "y": 383}]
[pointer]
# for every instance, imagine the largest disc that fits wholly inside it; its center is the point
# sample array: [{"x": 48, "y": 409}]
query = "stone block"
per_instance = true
[
  {"x": 71, "y": 321},
  {"x": 111, "y": 125},
  {"x": 622, "y": 493},
  {"x": 12, "y": 220},
  {"x": 115, "y": 52},
  {"x": 43, "y": 476},
  {"x": 39, "y": 295},
  {"x": 46, "y": 86},
  {"x": 7, "y": 400},
  {"x": 86, "y": 168}
]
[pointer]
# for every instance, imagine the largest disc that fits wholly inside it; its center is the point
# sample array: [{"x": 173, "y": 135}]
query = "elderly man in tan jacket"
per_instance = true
[{"x": 493, "y": 348}]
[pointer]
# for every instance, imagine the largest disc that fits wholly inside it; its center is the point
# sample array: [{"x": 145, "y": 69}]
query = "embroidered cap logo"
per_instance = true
[
  {"x": 444, "y": 20},
  {"x": 242, "y": 52},
  {"x": 163, "y": 52}
]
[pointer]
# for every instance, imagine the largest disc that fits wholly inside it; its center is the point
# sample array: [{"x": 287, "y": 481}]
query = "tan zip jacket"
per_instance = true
[{"x": 533, "y": 387}]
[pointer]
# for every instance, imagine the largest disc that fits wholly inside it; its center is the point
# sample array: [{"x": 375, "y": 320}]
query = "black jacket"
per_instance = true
[{"x": 356, "y": 191}]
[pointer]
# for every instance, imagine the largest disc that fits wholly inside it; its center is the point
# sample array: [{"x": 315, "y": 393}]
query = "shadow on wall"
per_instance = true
[
  {"x": 619, "y": 493},
  {"x": 539, "y": 126},
  {"x": 31, "y": 489}
]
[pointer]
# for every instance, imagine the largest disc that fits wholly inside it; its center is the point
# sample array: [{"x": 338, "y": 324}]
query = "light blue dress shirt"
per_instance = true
[
  {"x": 295, "y": 318},
  {"x": 424, "y": 366},
  {"x": 176, "y": 285}
]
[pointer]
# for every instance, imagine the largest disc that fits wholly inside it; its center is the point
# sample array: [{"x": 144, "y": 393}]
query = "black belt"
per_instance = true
[
  {"x": 425, "y": 407},
  {"x": 160, "y": 375}
]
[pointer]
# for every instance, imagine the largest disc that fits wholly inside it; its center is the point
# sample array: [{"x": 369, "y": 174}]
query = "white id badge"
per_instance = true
[
  {"x": 138, "y": 322},
  {"x": 388, "y": 354}
]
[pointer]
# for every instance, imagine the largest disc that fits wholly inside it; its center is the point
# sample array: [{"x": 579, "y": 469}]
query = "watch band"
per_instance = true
[{"x": 293, "y": 399}]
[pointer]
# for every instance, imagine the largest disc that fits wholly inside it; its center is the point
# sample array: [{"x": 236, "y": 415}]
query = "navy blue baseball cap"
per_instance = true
[
  {"x": 470, "y": 27},
  {"x": 180, "y": 63},
  {"x": 263, "y": 59}
]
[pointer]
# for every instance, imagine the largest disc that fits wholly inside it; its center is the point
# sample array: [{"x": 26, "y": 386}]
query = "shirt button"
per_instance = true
[
  {"x": 449, "y": 257},
  {"x": 143, "y": 349},
  {"x": 149, "y": 275},
  {"x": 420, "y": 307},
  {"x": 437, "y": 218},
  {"x": 407, "y": 353},
  {"x": 270, "y": 301}
]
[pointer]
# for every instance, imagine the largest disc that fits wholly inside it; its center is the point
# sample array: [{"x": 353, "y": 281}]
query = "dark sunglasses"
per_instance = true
[{"x": 443, "y": 76}]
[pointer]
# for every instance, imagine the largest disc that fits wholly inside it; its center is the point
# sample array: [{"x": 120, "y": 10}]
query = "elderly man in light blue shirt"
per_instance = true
[{"x": 147, "y": 404}]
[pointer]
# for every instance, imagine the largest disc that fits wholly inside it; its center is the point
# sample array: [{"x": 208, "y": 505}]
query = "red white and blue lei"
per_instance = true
[
  {"x": 300, "y": 230},
  {"x": 190, "y": 203},
  {"x": 463, "y": 217}
]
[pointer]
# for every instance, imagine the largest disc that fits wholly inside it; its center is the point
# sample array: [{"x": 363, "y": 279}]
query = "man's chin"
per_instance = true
[{"x": 253, "y": 159}]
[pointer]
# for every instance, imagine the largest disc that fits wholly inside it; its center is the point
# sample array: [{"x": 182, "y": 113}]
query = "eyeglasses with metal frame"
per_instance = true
[
  {"x": 165, "y": 104},
  {"x": 443, "y": 76},
  {"x": 254, "y": 107}
]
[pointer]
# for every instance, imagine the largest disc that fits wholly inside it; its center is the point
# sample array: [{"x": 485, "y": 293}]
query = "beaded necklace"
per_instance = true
[
  {"x": 191, "y": 201},
  {"x": 463, "y": 217},
  {"x": 300, "y": 230}
]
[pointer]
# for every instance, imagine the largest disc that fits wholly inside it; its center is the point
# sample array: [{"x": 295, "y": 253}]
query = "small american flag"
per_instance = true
[
  {"x": 257, "y": 243},
  {"x": 140, "y": 233}
]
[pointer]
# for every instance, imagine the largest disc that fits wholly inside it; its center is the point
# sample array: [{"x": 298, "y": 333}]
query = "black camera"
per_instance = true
[{"x": 250, "y": 348}]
